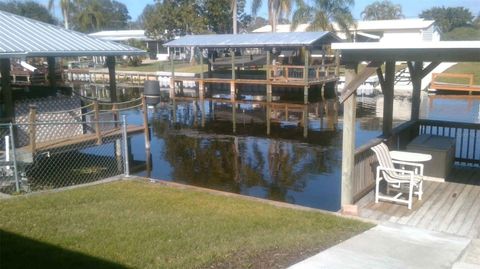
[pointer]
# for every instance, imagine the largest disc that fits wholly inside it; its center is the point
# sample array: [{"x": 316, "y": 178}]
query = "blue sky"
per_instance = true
[{"x": 411, "y": 8}]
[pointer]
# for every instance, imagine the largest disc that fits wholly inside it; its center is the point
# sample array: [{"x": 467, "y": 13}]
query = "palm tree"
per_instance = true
[
  {"x": 233, "y": 6},
  {"x": 382, "y": 10},
  {"x": 64, "y": 6},
  {"x": 323, "y": 14},
  {"x": 276, "y": 9},
  {"x": 90, "y": 16}
]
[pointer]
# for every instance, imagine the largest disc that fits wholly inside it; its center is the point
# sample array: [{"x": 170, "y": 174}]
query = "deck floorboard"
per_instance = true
[{"x": 452, "y": 207}]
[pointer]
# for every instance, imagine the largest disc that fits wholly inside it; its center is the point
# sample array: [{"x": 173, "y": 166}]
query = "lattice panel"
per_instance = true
[{"x": 49, "y": 110}]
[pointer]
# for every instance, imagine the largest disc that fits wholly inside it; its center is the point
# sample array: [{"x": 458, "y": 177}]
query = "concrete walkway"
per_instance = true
[{"x": 391, "y": 245}]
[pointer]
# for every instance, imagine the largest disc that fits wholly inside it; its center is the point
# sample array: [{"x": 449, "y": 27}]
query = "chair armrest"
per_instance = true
[{"x": 396, "y": 170}]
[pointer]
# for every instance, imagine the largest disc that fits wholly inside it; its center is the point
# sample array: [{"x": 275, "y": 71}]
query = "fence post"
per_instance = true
[
  {"x": 125, "y": 146},
  {"x": 31, "y": 120},
  {"x": 145, "y": 122},
  {"x": 97, "y": 124},
  {"x": 15, "y": 174}
]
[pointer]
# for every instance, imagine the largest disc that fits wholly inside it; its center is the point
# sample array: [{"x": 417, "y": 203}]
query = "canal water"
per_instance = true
[{"x": 292, "y": 156}]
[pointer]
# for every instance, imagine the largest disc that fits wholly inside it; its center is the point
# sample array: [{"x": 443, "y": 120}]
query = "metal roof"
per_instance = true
[
  {"x": 257, "y": 40},
  {"x": 20, "y": 37},
  {"x": 121, "y": 35},
  {"x": 442, "y": 51}
]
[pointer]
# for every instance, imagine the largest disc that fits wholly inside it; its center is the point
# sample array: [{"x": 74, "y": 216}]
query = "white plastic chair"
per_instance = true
[{"x": 408, "y": 177}]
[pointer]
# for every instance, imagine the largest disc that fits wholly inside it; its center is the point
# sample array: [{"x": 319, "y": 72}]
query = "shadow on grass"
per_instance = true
[{"x": 21, "y": 252}]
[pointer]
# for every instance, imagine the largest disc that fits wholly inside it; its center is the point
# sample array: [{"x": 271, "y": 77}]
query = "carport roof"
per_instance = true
[{"x": 255, "y": 40}]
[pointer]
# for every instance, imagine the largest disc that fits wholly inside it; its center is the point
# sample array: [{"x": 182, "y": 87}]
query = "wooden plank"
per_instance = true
[
  {"x": 472, "y": 215},
  {"x": 440, "y": 207},
  {"x": 456, "y": 207},
  {"x": 430, "y": 190},
  {"x": 416, "y": 217},
  {"x": 464, "y": 213}
]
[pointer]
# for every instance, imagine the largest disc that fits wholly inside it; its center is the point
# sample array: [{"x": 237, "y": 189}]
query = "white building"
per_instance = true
[{"x": 405, "y": 30}]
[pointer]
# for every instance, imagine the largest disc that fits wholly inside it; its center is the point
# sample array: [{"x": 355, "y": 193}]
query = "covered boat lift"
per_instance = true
[
  {"x": 22, "y": 37},
  {"x": 264, "y": 50}
]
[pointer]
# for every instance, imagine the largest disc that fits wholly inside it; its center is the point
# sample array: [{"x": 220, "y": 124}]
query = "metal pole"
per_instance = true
[
  {"x": 17, "y": 183},
  {"x": 125, "y": 145}
]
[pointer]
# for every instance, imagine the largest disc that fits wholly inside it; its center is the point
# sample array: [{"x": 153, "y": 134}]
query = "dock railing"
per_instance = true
[{"x": 466, "y": 135}]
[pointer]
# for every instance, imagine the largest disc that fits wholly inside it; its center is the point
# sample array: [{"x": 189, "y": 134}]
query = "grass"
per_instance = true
[
  {"x": 144, "y": 225},
  {"x": 464, "y": 68},
  {"x": 163, "y": 66}
]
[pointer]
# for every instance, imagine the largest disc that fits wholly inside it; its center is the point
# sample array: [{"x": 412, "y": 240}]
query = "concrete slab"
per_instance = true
[
  {"x": 391, "y": 246},
  {"x": 471, "y": 257}
]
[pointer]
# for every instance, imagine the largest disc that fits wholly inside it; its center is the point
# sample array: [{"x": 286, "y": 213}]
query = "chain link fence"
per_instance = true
[{"x": 46, "y": 155}]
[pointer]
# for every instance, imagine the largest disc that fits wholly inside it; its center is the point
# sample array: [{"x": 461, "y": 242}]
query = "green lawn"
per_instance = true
[
  {"x": 464, "y": 68},
  {"x": 136, "y": 224}
]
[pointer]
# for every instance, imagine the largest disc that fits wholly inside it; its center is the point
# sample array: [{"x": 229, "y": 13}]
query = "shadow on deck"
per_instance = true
[{"x": 452, "y": 207}]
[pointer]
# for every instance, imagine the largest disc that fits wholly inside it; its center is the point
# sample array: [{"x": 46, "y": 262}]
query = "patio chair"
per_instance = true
[{"x": 409, "y": 177}]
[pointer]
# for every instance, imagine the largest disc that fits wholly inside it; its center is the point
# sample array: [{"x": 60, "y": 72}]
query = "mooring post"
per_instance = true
[
  {"x": 97, "y": 123},
  {"x": 31, "y": 120},
  {"x": 305, "y": 76},
  {"x": 145, "y": 122},
  {"x": 14, "y": 158},
  {"x": 201, "y": 85},
  {"x": 269, "y": 83},
  {"x": 125, "y": 146}
]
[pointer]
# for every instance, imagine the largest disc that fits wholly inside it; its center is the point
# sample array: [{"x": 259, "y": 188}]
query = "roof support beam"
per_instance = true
[
  {"x": 112, "y": 78},
  {"x": 7, "y": 97},
  {"x": 388, "y": 94},
  {"x": 354, "y": 83},
  {"x": 348, "y": 142},
  {"x": 415, "y": 69},
  {"x": 52, "y": 79}
]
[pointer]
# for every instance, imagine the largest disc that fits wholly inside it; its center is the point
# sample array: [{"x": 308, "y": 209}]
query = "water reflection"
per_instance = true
[{"x": 281, "y": 151}]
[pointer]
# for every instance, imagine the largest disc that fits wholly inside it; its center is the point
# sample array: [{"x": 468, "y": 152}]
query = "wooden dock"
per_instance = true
[
  {"x": 469, "y": 87},
  {"x": 81, "y": 140},
  {"x": 452, "y": 207}
]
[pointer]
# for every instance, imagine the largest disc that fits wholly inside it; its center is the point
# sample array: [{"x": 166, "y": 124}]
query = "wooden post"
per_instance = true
[
  {"x": 172, "y": 78},
  {"x": 146, "y": 130},
  {"x": 348, "y": 144},
  {"x": 388, "y": 98},
  {"x": 201, "y": 85},
  {"x": 232, "y": 82},
  {"x": 51, "y": 72},
  {"x": 415, "y": 74},
  {"x": 112, "y": 77},
  {"x": 8, "y": 109},
  {"x": 305, "y": 76},
  {"x": 269, "y": 83},
  {"x": 97, "y": 124},
  {"x": 32, "y": 116}
]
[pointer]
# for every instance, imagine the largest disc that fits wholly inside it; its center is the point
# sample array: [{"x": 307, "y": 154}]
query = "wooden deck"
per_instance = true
[{"x": 451, "y": 207}]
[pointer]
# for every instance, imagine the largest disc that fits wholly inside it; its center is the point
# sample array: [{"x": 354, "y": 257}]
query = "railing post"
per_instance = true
[
  {"x": 97, "y": 123},
  {"x": 125, "y": 146},
  {"x": 145, "y": 122},
  {"x": 31, "y": 120}
]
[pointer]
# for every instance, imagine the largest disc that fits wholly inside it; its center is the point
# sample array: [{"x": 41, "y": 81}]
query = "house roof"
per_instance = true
[
  {"x": 282, "y": 28},
  {"x": 257, "y": 40},
  {"x": 121, "y": 35},
  {"x": 20, "y": 37},
  {"x": 380, "y": 25},
  {"x": 383, "y": 25},
  {"x": 442, "y": 51}
]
